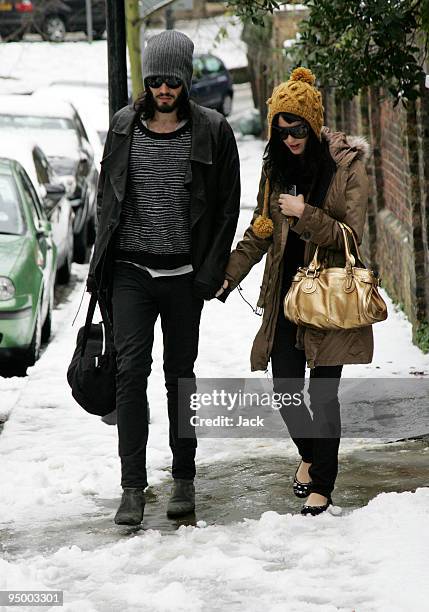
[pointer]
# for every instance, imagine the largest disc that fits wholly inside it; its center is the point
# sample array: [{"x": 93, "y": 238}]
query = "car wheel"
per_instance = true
[
  {"x": 47, "y": 325},
  {"x": 81, "y": 245},
  {"x": 54, "y": 29},
  {"x": 226, "y": 106},
  {"x": 64, "y": 273},
  {"x": 33, "y": 351}
]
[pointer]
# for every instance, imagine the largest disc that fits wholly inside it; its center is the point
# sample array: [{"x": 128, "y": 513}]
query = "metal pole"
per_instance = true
[
  {"x": 116, "y": 55},
  {"x": 89, "y": 19},
  {"x": 169, "y": 18}
]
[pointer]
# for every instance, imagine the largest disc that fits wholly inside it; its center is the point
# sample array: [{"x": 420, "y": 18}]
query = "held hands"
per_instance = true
[
  {"x": 222, "y": 289},
  {"x": 291, "y": 206}
]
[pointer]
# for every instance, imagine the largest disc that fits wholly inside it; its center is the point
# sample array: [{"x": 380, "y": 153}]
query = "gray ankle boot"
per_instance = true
[
  {"x": 182, "y": 499},
  {"x": 131, "y": 508}
]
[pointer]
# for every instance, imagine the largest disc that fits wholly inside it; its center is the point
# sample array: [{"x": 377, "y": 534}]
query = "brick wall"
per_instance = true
[{"x": 396, "y": 235}]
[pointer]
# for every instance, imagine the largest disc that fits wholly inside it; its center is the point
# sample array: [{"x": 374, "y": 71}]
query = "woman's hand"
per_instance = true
[
  {"x": 222, "y": 289},
  {"x": 291, "y": 206}
]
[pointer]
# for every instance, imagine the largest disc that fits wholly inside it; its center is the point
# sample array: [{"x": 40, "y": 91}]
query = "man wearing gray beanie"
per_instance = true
[{"x": 168, "y": 206}]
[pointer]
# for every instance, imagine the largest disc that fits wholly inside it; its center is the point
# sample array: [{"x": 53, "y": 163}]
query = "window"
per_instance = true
[
  {"x": 212, "y": 65},
  {"x": 31, "y": 198},
  {"x": 11, "y": 217},
  {"x": 42, "y": 169},
  {"x": 39, "y": 123},
  {"x": 198, "y": 67},
  {"x": 80, "y": 128}
]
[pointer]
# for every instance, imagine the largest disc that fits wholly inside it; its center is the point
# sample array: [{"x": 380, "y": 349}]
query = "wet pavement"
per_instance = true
[{"x": 231, "y": 491}]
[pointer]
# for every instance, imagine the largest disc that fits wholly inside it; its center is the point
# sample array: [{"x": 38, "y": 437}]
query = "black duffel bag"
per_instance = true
[{"x": 92, "y": 370}]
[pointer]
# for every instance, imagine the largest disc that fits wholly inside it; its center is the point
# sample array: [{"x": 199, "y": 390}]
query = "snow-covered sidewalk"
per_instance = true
[
  {"x": 59, "y": 465},
  {"x": 370, "y": 561}
]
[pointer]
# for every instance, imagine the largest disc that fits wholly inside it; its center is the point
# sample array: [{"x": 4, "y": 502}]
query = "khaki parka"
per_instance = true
[{"x": 346, "y": 200}]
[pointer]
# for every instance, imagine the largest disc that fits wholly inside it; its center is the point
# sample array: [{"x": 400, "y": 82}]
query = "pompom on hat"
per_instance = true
[{"x": 297, "y": 96}]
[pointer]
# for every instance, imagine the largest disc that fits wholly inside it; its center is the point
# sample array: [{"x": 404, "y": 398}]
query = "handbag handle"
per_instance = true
[
  {"x": 351, "y": 232},
  {"x": 315, "y": 265}
]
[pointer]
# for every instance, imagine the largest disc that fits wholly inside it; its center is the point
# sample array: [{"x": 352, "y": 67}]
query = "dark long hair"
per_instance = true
[
  {"x": 145, "y": 105},
  {"x": 285, "y": 168}
]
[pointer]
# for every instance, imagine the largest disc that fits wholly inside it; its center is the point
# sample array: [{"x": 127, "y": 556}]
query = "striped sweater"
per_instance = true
[{"x": 154, "y": 229}]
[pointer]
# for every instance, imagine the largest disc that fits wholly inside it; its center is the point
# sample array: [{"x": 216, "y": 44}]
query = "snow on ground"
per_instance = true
[
  {"x": 58, "y": 464},
  {"x": 25, "y": 66},
  {"x": 369, "y": 561}
]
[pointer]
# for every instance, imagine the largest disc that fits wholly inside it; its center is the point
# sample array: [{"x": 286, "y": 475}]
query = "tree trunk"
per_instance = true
[{"x": 133, "y": 43}]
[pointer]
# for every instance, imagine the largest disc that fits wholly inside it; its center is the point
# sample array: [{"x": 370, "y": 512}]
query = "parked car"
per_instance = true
[
  {"x": 212, "y": 84},
  {"x": 57, "y": 127},
  {"x": 91, "y": 101},
  {"x": 51, "y": 192},
  {"x": 27, "y": 267},
  {"x": 54, "y": 18},
  {"x": 50, "y": 18},
  {"x": 15, "y": 18}
]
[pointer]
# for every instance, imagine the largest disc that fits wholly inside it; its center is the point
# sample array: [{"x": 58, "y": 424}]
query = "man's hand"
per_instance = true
[
  {"x": 222, "y": 289},
  {"x": 291, "y": 206}
]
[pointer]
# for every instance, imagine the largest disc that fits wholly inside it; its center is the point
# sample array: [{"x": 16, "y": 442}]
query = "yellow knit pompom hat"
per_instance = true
[{"x": 297, "y": 96}]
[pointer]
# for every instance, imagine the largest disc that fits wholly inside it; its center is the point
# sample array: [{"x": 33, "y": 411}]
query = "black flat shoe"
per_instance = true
[
  {"x": 315, "y": 510},
  {"x": 301, "y": 489}
]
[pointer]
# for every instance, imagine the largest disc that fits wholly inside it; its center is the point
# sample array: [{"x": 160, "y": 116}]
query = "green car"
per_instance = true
[{"x": 27, "y": 267}]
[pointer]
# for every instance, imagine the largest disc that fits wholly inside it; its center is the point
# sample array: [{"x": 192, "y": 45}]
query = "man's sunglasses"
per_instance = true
[
  {"x": 171, "y": 81},
  {"x": 297, "y": 131}
]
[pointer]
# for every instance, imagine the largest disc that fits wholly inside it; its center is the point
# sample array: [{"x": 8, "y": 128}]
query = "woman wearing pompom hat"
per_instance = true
[{"x": 326, "y": 171}]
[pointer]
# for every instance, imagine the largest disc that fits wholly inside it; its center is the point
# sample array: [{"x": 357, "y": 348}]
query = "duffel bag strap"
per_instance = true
[
  {"x": 107, "y": 323},
  {"x": 88, "y": 321}
]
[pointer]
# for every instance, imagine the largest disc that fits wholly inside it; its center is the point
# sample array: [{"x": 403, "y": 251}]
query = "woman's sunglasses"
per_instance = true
[
  {"x": 297, "y": 131},
  {"x": 171, "y": 81}
]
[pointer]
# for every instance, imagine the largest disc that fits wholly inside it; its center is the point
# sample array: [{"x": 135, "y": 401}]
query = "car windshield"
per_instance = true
[
  {"x": 63, "y": 166},
  {"x": 30, "y": 122},
  {"x": 11, "y": 219}
]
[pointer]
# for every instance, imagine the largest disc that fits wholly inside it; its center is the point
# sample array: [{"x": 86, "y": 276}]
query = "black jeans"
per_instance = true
[
  {"x": 321, "y": 451},
  {"x": 138, "y": 299}
]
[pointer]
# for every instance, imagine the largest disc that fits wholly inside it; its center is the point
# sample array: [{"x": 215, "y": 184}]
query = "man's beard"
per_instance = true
[{"x": 166, "y": 107}]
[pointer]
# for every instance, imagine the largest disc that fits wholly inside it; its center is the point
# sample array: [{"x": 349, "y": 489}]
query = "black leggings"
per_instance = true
[{"x": 321, "y": 450}]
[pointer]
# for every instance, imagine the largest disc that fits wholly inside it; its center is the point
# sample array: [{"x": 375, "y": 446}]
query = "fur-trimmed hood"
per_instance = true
[{"x": 344, "y": 149}]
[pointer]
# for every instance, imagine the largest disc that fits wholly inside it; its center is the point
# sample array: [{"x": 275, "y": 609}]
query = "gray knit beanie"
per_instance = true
[{"x": 169, "y": 54}]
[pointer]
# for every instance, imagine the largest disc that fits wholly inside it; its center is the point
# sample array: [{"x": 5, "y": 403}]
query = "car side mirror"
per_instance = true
[
  {"x": 54, "y": 193},
  {"x": 84, "y": 164},
  {"x": 43, "y": 229}
]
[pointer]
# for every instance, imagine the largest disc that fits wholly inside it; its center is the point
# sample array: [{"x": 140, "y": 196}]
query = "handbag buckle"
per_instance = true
[{"x": 312, "y": 272}]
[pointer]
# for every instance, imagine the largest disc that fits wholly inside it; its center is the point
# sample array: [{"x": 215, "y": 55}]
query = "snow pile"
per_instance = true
[{"x": 360, "y": 562}]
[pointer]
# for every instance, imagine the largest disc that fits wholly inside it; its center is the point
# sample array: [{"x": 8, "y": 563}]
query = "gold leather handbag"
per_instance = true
[{"x": 335, "y": 298}]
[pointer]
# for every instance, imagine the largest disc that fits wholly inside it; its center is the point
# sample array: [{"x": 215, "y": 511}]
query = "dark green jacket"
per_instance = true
[{"x": 213, "y": 178}]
